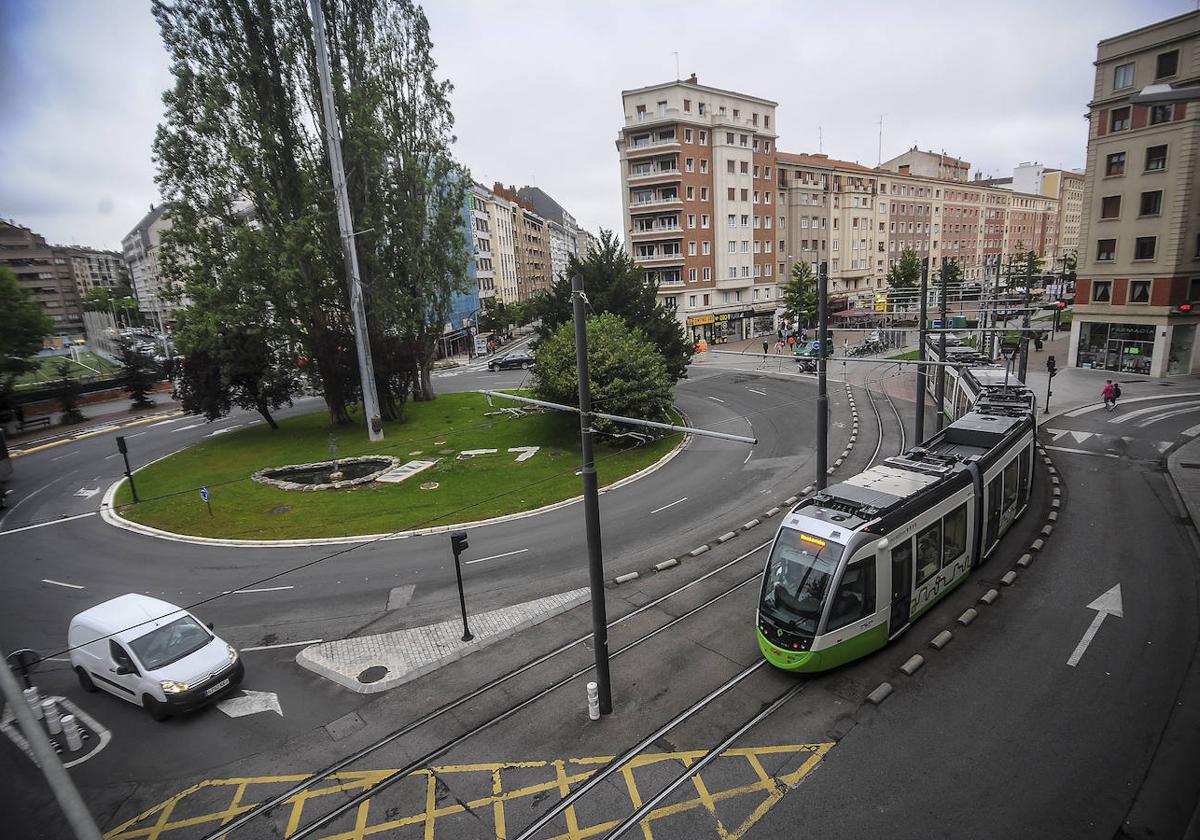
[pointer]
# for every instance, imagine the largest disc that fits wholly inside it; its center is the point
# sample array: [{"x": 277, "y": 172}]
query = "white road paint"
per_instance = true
[
  {"x": 223, "y": 431},
  {"x": 86, "y": 492},
  {"x": 761, "y": 393},
  {"x": 253, "y": 591},
  {"x": 1126, "y": 416},
  {"x": 251, "y": 703},
  {"x": 280, "y": 645},
  {"x": 138, "y": 434},
  {"x": 527, "y": 452},
  {"x": 1082, "y": 452},
  {"x": 66, "y": 455},
  {"x": 664, "y": 507},
  {"x": 1192, "y": 431},
  {"x": 717, "y": 399},
  {"x": 60, "y": 583},
  {"x": 748, "y": 454},
  {"x": 47, "y": 524},
  {"x": 185, "y": 428},
  {"x": 1107, "y": 604},
  {"x": 165, "y": 422},
  {"x": 1167, "y": 415},
  {"x": 495, "y": 556},
  {"x": 114, "y": 455}
]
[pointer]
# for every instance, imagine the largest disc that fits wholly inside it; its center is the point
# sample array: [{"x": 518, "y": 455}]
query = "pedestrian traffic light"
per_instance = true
[
  {"x": 1184, "y": 309},
  {"x": 1060, "y": 305},
  {"x": 458, "y": 541},
  {"x": 1051, "y": 367}
]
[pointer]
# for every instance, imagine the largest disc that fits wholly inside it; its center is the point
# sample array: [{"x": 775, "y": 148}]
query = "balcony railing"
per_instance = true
[
  {"x": 658, "y": 257},
  {"x": 657, "y": 173},
  {"x": 659, "y": 230},
  {"x": 650, "y": 146},
  {"x": 639, "y": 206}
]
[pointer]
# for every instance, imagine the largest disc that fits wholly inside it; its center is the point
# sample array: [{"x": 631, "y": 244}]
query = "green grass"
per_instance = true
[
  {"x": 471, "y": 489},
  {"x": 47, "y": 369},
  {"x": 907, "y": 356}
]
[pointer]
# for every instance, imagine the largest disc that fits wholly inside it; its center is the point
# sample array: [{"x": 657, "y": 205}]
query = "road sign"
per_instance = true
[
  {"x": 204, "y": 494},
  {"x": 481, "y": 345}
]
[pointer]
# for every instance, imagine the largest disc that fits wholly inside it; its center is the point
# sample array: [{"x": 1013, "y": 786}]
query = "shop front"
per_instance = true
[
  {"x": 1121, "y": 348},
  {"x": 731, "y": 326}
]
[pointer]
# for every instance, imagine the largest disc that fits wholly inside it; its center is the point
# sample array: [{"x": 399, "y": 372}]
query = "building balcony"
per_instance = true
[
  {"x": 653, "y": 147},
  {"x": 657, "y": 175},
  {"x": 658, "y": 259},
  {"x": 649, "y": 118},
  {"x": 673, "y": 232},
  {"x": 655, "y": 204}
]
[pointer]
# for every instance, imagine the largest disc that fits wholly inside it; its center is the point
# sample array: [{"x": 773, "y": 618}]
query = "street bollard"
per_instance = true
[
  {"x": 53, "y": 722},
  {"x": 593, "y": 695},
  {"x": 71, "y": 732},
  {"x": 34, "y": 701}
]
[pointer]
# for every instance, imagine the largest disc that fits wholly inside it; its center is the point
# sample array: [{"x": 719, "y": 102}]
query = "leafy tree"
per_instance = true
[
  {"x": 614, "y": 284},
  {"x": 800, "y": 294},
  {"x": 137, "y": 376},
  {"x": 904, "y": 279},
  {"x": 23, "y": 323},
  {"x": 119, "y": 301},
  {"x": 67, "y": 393},
  {"x": 625, "y": 369},
  {"x": 952, "y": 277}
]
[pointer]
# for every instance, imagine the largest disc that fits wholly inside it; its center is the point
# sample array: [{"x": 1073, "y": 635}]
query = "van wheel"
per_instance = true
[
  {"x": 524, "y": 365},
  {"x": 157, "y": 710},
  {"x": 85, "y": 682}
]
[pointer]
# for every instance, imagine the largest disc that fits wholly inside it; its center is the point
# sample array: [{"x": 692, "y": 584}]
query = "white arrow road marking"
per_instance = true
[
  {"x": 223, "y": 431},
  {"x": 1108, "y": 603},
  {"x": 1056, "y": 433},
  {"x": 1191, "y": 432},
  {"x": 67, "y": 455},
  {"x": 1167, "y": 415},
  {"x": 1082, "y": 451},
  {"x": 280, "y": 645},
  {"x": 527, "y": 452},
  {"x": 251, "y": 703},
  {"x": 87, "y": 492},
  {"x": 1080, "y": 437}
]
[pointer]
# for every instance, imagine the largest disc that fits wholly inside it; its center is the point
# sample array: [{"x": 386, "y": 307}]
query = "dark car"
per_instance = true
[{"x": 523, "y": 361}]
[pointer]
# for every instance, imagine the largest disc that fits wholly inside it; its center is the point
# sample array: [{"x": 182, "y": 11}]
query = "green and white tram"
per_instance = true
[
  {"x": 854, "y": 565},
  {"x": 965, "y": 381}
]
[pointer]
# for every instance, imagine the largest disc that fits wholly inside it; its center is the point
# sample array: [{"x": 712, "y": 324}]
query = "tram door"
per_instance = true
[{"x": 902, "y": 556}]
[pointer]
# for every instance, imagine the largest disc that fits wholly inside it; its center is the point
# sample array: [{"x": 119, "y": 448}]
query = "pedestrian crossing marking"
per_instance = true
[
  {"x": 743, "y": 767},
  {"x": 1070, "y": 435}
]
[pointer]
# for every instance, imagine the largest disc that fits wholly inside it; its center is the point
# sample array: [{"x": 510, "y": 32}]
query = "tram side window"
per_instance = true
[
  {"x": 954, "y": 541},
  {"x": 929, "y": 551},
  {"x": 1010, "y": 483},
  {"x": 960, "y": 406},
  {"x": 1024, "y": 461},
  {"x": 993, "y": 506},
  {"x": 855, "y": 595}
]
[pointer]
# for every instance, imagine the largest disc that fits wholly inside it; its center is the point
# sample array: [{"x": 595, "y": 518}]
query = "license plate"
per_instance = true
[{"x": 208, "y": 692}]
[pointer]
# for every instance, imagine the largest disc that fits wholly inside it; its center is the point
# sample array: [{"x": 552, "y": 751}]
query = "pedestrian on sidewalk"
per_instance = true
[
  {"x": 766, "y": 347},
  {"x": 778, "y": 347},
  {"x": 1110, "y": 392},
  {"x": 1037, "y": 342}
]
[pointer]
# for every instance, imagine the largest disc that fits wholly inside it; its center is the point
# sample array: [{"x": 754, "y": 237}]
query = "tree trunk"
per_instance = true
[
  {"x": 425, "y": 374},
  {"x": 265, "y": 410}
]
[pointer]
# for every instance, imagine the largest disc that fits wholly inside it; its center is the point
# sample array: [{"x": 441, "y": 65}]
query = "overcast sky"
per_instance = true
[{"x": 537, "y": 89}]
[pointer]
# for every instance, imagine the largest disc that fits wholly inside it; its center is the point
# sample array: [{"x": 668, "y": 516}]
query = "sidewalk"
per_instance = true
[{"x": 96, "y": 413}]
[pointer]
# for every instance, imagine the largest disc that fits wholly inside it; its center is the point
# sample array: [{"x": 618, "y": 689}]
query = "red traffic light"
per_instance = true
[
  {"x": 1061, "y": 304},
  {"x": 1185, "y": 307}
]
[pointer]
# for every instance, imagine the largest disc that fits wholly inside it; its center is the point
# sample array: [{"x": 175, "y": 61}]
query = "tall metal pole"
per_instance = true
[
  {"x": 69, "y": 800},
  {"x": 920, "y": 425},
  {"x": 939, "y": 388},
  {"x": 358, "y": 315},
  {"x": 591, "y": 502},
  {"x": 822, "y": 396},
  {"x": 1025, "y": 319}
]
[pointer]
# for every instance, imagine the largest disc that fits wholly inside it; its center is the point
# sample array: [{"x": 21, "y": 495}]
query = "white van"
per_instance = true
[{"x": 153, "y": 654}]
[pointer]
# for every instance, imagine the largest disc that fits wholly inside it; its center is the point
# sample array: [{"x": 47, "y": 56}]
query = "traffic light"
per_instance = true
[
  {"x": 1051, "y": 367},
  {"x": 1060, "y": 305},
  {"x": 458, "y": 541},
  {"x": 1185, "y": 309}
]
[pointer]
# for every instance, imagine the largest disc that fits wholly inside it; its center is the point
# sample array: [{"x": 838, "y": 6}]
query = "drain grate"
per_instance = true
[{"x": 373, "y": 674}]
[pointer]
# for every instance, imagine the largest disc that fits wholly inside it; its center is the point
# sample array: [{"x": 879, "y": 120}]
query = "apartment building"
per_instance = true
[
  {"x": 564, "y": 230},
  {"x": 479, "y": 238},
  {"x": 140, "y": 249},
  {"x": 531, "y": 246},
  {"x": 1140, "y": 233},
  {"x": 97, "y": 269},
  {"x": 47, "y": 271},
  {"x": 502, "y": 221},
  {"x": 699, "y": 202},
  {"x": 933, "y": 165}
]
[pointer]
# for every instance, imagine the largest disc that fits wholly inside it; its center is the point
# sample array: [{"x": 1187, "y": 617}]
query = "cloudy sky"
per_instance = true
[{"x": 537, "y": 98}]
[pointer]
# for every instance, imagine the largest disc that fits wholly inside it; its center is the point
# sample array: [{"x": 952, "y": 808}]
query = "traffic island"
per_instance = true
[{"x": 475, "y": 463}]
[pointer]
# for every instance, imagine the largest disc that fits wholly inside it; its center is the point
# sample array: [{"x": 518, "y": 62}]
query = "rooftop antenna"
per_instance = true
[
  {"x": 821, "y": 136},
  {"x": 881, "y": 116},
  {"x": 676, "y": 54}
]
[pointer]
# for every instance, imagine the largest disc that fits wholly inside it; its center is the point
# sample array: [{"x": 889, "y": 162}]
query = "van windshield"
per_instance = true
[{"x": 170, "y": 643}]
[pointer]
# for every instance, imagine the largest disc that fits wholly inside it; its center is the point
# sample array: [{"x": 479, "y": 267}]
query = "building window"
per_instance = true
[
  {"x": 691, "y": 249},
  {"x": 1151, "y": 203},
  {"x": 706, "y": 300},
  {"x": 703, "y": 166},
  {"x": 1119, "y": 119},
  {"x": 745, "y": 220},
  {"x": 1115, "y": 164},
  {"x": 671, "y": 302},
  {"x": 1161, "y": 113},
  {"x": 692, "y": 298},
  {"x": 1139, "y": 291},
  {"x": 745, "y": 195},
  {"x": 706, "y": 248},
  {"x": 745, "y": 167},
  {"x": 707, "y": 274},
  {"x": 1101, "y": 291},
  {"x": 732, "y": 270},
  {"x": 732, "y": 220},
  {"x": 1123, "y": 76},
  {"x": 1167, "y": 65},
  {"x": 731, "y": 167},
  {"x": 1143, "y": 247},
  {"x": 1110, "y": 207},
  {"x": 691, "y": 275},
  {"x": 703, "y": 220},
  {"x": 1106, "y": 250},
  {"x": 691, "y": 219},
  {"x": 687, "y": 108},
  {"x": 1156, "y": 158},
  {"x": 704, "y": 193},
  {"x": 733, "y": 246},
  {"x": 732, "y": 194},
  {"x": 690, "y": 193},
  {"x": 703, "y": 134},
  {"x": 689, "y": 165}
]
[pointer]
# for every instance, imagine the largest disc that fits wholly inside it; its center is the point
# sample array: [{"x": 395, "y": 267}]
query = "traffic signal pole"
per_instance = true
[
  {"x": 939, "y": 388},
  {"x": 822, "y": 364},
  {"x": 920, "y": 422}
]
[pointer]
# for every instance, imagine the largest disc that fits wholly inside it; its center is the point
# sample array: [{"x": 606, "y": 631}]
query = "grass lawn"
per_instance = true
[
  {"x": 47, "y": 369},
  {"x": 909, "y": 356},
  {"x": 470, "y": 489}
]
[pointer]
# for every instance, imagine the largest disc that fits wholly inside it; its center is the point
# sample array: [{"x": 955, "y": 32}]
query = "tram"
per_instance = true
[
  {"x": 854, "y": 565},
  {"x": 966, "y": 379}
]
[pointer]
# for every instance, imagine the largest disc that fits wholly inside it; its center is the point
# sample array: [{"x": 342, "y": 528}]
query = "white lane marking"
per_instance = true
[
  {"x": 1125, "y": 417},
  {"x": 251, "y": 703},
  {"x": 185, "y": 428},
  {"x": 139, "y": 434},
  {"x": 1191, "y": 432},
  {"x": 1082, "y": 452},
  {"x": 45, "y": 524},
  {"x": 717, "y": 399},
  {"x": 664, "y": 507},
  {"x": 752, "y": 391},
  {"x": 66, "y": 455},
  {"x": 114, "y": 455},
  {"x": 251, "y": 591},
  {"x": 748, "y": 454},
  {"x": 280, "y": 645},
  {"x": 1167, "y": 415},
  {"x": 1107, "y": 604},
  {"x": 165, "y": 422},
  {"x": 496, "y": 556},
  {"x": 223, "y": 431},
  {"x": 60, "y": 583},
  {"x": 1087, "y": 409}
]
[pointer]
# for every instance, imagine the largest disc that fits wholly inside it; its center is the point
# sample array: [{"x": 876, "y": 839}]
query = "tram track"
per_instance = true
[
  {"x": 878, "y": 380},
  {"x": 300, "y": 788}
]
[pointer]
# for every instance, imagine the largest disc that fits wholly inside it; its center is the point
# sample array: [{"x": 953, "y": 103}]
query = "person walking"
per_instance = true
[
  {"x": 1110, "y": 392},
  {"x": 766, "y": 347}
]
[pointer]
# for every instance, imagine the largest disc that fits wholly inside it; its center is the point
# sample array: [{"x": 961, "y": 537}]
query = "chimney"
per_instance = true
[{"x": 692, "y": 80}]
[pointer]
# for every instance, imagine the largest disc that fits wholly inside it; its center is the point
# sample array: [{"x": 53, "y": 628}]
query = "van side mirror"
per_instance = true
[{"x": 123, "y": 670}]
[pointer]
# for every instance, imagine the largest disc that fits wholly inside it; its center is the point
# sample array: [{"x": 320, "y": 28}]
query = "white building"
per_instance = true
[{"x": 140, "y": 248}]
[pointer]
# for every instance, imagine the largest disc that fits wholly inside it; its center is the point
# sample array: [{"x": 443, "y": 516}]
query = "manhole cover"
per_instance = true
[
  {"x": 429, "y": 485},
  {"x": 281, "y": 509},
  {"x": 373, "y": 674}
]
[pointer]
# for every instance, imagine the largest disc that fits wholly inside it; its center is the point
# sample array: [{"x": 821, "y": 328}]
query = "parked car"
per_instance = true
[
  {"x": 813, "y": 347},
  {"x": 153, "y": 654},
  {"x": 524, "y": 361}
]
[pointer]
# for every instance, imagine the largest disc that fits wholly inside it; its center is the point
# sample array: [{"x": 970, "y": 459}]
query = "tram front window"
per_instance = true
[{"x": 797, "y": 580}]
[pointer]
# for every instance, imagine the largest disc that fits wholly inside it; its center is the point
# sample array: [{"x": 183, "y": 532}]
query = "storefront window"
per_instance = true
[
  {"x": 1122, "y": 348},
  {"x": 1179, "y": 360},
  {"x": 1093, "y": 341}
]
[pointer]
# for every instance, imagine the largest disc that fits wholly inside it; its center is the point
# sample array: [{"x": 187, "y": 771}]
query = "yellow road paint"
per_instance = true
[
  {"x": 115, "y": 427},
  {"x": 424, "y": 814}
]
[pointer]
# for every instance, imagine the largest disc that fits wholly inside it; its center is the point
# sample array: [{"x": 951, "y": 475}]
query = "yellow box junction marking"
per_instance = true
[{"x": 560, "y": 776}]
